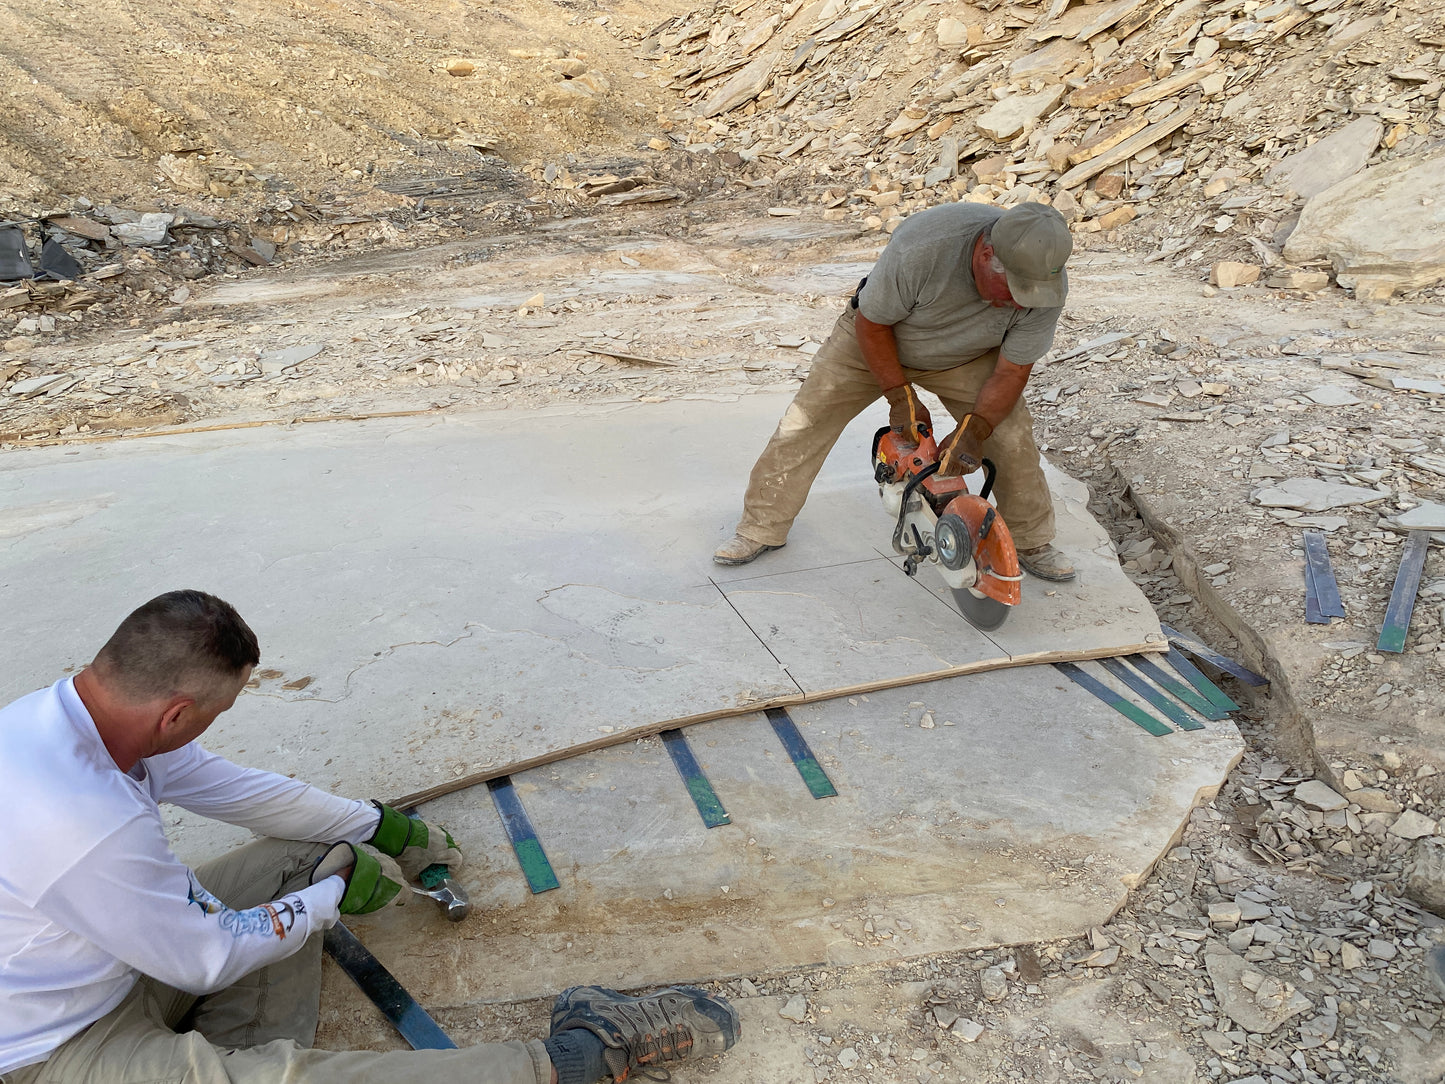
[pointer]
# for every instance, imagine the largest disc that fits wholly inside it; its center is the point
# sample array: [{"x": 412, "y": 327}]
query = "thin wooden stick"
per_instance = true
[{"x": 791, "y": 700}]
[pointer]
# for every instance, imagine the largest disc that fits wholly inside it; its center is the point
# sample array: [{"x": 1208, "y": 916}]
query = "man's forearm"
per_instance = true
[
  {"x": 880, "y": 351},
  {"x": 1001, "y": 391}
]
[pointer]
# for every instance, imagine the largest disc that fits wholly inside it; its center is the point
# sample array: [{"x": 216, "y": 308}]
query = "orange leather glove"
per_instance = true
[
  {"x": 906, "y": 412},
  {"x": 962, "y": 450}
]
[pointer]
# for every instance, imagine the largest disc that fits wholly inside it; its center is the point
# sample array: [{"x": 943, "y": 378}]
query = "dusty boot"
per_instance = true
[
  {"x": 1046, "y": 563},
  {"x": 675, "y": 1024},
  {"x": 740, "y": 550}
]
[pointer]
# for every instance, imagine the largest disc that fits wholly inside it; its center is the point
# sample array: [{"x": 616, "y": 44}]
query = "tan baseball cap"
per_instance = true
[{"x": 1033, "y": 243}]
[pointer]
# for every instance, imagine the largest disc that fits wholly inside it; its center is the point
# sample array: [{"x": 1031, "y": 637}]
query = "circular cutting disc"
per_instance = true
[{"x": 981, "y": 611}]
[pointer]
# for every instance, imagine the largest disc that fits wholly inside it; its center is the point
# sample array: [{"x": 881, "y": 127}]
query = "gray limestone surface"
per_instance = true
[
  {"x": 988, "y": 809},
  {"x": 441, "y": 598}
]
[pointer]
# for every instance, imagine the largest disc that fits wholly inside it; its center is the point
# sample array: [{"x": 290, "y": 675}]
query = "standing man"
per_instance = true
[
  {"x": 963, "y": 301},
  {"x": 120, "y": 965}
]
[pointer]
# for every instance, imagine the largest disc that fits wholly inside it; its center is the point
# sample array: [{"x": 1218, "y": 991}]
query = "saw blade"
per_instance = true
[{"x": 982, "y": 612}]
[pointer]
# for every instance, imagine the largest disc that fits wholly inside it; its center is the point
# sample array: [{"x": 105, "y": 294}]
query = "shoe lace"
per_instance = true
[
  {"x": 652, "y": 1035},
  {"x": 624, "y": 1067}
]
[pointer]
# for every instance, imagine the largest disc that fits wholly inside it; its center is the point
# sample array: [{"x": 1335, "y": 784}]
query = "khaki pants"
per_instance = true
[
  {"x": 838, "y": 388},
  {"x": 260, "y": 1030}
]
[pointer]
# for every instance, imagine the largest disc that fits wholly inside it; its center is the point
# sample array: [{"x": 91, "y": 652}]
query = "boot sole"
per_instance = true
[
  {"x": 743, "y": 560},
  {"x": 1073, "y": 574}
]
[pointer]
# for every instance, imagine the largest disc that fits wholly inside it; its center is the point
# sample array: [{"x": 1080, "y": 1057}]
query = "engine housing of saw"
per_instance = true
[{"x": 939, "y": 520}]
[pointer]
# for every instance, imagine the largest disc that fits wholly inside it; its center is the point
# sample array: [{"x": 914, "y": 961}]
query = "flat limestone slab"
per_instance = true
[
  {"x": 432, "y": 599},
  {"x": 445, "y": 598},
  {"x": 1024, "y": 812},
  {"x": 842, "y": 628}
]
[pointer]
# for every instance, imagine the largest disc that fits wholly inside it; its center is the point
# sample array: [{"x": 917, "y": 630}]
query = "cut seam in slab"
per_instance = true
[
  {"x": 940, "y": 600},
  {"x": 760, "y": 573}
]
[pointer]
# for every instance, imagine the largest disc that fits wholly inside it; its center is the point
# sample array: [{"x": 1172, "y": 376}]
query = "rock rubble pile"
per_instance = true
[{"x": 1235, "y": 133}]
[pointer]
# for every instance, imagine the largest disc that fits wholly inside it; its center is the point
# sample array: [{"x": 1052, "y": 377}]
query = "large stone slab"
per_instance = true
[
  {"x": 1338, "y": 156},
  {"x": 1009, "y": 117},
  {"x": 991, "y": 809},
  {"x": 446, "y": 598},
  {"x": 842, "y": 627},
  {"x": 1383, "y": 229},
  {"x": 431, "y": 598}
]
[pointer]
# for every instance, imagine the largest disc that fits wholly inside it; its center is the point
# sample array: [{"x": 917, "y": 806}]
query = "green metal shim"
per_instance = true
[
  {"x": 819, "y": 785},
  {"x": 708, "y": 806},
  {"x": 535, "y": 866}
]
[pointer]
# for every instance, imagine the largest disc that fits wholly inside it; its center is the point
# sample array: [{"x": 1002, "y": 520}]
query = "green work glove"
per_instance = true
[
  {"x": 906, "y": 413},
  {"x": 414, "y": 843},
  {"x": 962, "y": 450},
  {"x": 375, "y": 881}
]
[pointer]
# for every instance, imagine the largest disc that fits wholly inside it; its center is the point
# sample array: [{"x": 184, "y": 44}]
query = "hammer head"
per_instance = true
[{"x": 452, "y": 897}]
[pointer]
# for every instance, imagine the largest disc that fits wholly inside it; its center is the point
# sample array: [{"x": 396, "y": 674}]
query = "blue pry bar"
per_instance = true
[
  {"x": 530, "y": 856},
  {"x": 1180, "y": 690},
  {"x": 1213, "y": 658},
  {"x": 819, "y": 785},
  {"x": 709, "y": 808},
  {"x": 1402, "y": 597},
  {"x": 385, "y": 992},
  {"x": 1181, "y": 718},
  {"x": 1321, "y": 588},
  {"x": 1124, "y": 706},
  {"x": 1313, "y": 616},
  {"x": 1190, "y": 673}
]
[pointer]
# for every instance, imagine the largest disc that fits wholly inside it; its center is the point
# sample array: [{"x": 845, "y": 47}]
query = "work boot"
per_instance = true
[
  {"x": 1046, "y": 563},
  {"x": 739, "y": 551},
  {"x": 674, "y": 1024}
]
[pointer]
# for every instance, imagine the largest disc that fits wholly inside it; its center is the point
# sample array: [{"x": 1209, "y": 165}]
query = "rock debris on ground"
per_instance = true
[{"x": 588, "y": 204}]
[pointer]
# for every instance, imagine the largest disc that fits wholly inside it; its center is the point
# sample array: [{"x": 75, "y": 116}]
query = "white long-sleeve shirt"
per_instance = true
[{"x": 91, "y": 894}]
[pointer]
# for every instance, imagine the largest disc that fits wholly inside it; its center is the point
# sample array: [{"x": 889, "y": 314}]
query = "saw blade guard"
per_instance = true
[{"x": 999, "y": 575}]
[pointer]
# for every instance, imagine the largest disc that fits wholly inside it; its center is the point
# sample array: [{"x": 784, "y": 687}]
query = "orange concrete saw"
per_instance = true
[{"x": 939, "y": 521}]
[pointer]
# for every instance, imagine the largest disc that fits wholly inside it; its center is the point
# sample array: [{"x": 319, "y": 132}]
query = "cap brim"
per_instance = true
[{"x": 1048, "y": 293}]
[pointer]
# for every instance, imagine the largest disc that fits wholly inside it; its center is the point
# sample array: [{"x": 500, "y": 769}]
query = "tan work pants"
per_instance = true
[
  {"x": 839, "y": 386},
  {"x": 260, "y": 1030}
]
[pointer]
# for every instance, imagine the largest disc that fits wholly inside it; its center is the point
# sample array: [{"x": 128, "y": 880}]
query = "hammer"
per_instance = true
[{"x": 438, "y": 885}]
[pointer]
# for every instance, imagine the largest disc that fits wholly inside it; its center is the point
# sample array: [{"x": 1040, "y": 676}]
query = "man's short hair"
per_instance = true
[{"x": 180, "y": 643}]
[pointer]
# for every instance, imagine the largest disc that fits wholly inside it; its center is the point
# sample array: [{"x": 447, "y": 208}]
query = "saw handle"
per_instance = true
[
  {"x": 908, "y": 488},
  {"x": 990, "y": 472}
]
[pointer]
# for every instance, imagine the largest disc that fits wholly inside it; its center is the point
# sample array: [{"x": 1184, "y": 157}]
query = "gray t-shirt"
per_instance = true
[{"x": 923, "y": 286}]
